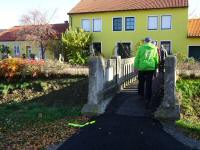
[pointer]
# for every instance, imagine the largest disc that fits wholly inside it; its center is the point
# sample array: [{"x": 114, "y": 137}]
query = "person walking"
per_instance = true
[
  {"x": 146, "y": 62},
  {"x": 163, "y": 55}
]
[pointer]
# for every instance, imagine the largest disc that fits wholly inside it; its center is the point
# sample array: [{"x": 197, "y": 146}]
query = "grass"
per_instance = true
[
  {"x": 41, "y": 120},
  {"x": 21, "y": 115},
  {"x": 189, "y": 92}
]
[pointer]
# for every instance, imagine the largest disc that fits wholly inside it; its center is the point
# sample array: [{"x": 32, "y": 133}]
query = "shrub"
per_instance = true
[
  {"x": 76, "y": 43},
  {"x": 16, "y": 67},
  {"x": 32, "y": 67},
  {"x": 11, "y": 67},
  {"x": 188, "y": 64}
]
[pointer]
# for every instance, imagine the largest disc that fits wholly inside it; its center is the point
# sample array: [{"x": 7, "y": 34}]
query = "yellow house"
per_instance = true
[
  {"x": 119, "y": 25},
  {"x": 20, "y": 46}
]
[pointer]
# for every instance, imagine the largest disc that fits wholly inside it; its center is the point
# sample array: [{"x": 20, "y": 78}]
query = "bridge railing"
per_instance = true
[
  {"x": 127, "y": 71},
  {"x": 106, "y": 78}
]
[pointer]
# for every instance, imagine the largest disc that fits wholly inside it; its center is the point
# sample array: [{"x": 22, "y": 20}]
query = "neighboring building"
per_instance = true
[
  {"x": 118, "y": 25},
  {"x": 1, "y": 30},
  {"x": 194, "y": 38},
  {"x": 18, "y": 45}
]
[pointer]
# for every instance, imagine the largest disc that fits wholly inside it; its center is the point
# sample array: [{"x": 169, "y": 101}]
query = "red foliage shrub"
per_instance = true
[{"x": 16, "y": 67}]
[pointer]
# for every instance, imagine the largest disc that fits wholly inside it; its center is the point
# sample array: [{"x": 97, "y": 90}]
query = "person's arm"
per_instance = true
[
  {"x": 156, "y": 58},
  {"x": 166, "y": 54}
]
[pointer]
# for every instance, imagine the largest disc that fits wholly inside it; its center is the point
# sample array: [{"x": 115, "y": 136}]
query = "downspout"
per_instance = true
[{"x": 70, "y": 20}]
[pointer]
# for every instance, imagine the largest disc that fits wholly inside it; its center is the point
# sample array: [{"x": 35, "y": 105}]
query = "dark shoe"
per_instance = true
[
  {"x": 147, "y": 105},
  {"x": 140, "y": 95},
  {"x": 141, "y": 98}
]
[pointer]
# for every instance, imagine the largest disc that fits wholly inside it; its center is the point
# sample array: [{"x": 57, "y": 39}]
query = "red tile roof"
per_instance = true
[
  {"x": 12, "y": 34},
  {"x": 194, "y": 28},
  {"x": 88, "y": 6}
]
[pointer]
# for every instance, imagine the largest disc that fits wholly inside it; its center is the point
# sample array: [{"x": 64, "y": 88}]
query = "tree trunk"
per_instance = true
[{"x": 42, "y": 50}]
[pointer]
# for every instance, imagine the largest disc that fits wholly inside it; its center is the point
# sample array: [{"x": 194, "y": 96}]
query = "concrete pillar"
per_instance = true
[
  {"x": 169, "y": 108},
  {"x": 96, "y": 103}
]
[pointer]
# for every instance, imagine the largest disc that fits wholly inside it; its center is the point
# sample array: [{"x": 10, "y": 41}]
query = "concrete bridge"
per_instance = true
[
  {"x": 123, "y": 123},
  {"x": 109, "y": 78}
]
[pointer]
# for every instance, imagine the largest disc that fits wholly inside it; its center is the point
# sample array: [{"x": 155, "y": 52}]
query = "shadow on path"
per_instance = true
[
  {"x": 119, "y": 132},
  {"x": 124, "y": 126}
]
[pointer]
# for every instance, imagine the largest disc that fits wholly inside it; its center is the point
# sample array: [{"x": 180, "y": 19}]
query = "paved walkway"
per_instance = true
[{"x": 124, "y": 126}]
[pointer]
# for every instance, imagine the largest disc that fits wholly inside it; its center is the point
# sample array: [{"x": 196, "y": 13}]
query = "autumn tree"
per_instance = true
[{"x": 36, "y": 28}]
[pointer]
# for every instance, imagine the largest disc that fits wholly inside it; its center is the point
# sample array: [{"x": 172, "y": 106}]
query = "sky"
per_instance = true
[{"x": 12, "y": 10}]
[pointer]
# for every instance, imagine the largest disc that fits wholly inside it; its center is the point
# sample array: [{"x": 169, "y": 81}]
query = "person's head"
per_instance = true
[
  {"x": 147, "y": 40},
  {"x": 154, "y": 43}
]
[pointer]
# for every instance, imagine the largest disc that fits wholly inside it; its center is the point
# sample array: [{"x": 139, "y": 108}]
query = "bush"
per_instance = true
[
  {"x": 10, "y": 68},
  {"x": 188, "y": 64},
  {"x": 188, "y": 90},
  {"x": 76, "y": 43},
  {"x": 17, "y": 67}
]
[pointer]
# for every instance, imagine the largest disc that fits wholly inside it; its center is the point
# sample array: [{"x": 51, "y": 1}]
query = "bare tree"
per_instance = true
[{"x": 36, "y": 28}]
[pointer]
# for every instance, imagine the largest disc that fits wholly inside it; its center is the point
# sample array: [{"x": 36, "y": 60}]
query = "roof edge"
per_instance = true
[
  {"x": 193, "y": 36},
  {"x": 69, "y": 13}
]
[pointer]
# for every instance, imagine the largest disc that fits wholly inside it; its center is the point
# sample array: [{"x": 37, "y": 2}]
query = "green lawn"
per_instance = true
[
  {"x": 22, "y": 115},
  {"x": 189, "y": 92},
  {"x": 41, "y": 108}
]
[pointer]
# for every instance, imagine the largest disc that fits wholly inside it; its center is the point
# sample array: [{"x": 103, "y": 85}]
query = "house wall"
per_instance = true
[
  {"x": 177, "y": 35},
  {"x": 23, "y": 44},
  {"x": 193, "y": 41}
]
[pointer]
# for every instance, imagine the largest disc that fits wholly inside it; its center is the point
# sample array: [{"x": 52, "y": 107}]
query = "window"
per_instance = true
[
  {"x": 130, "y": 23},
  {"x": 97, "y": 25},
  {"x": 124, "y": 49},
  {"x": 86, "y": 25},
  {"x": 152, "y": 22},
  {"x": 117, "y": 24},
  {"x": 40, "y": 52},
  {"x": 167, "y": 46},
  {"x": 166, "y": 22},
  {"x": 16, "y": 50},
  {"x": 97, "y": 48},
  {"x": 28, "y": 51}
]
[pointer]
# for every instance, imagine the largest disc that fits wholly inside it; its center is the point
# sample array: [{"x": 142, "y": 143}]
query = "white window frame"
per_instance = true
[
  {"x": 125, "y": 24},
  {"x": 93, "y": 24},
  {"x": 171, "y": 52},
  {"x": 161, "y": 23},
  {"x": 89, "y": 25},
  {"x": 113, "y": 24},
  {"x": 148, "y": 23},
  {"x": 97, "y": 42}
]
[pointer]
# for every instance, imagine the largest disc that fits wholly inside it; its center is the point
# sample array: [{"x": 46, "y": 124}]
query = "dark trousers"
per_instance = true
[
  {"x": 161, "y": 67},
  {"x": 145, "y": 84}
]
